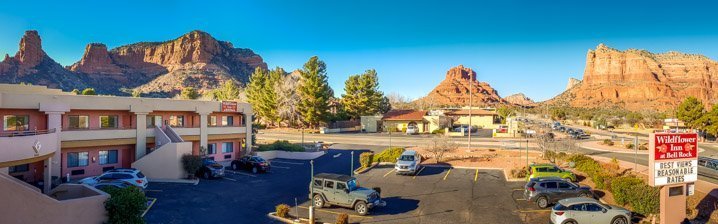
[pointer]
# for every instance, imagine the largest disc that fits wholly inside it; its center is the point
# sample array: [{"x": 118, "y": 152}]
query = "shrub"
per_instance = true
[
  {"x": 342, "y": 218},
  {"x": 629, "y": 146},
  {"x": 191, "y": 163},
  {"x": 365, "y": 159},
  {"x": 608, "y": 142},
  {"x": 621, "y": 188},
  {"x": 389, "y": 155},
  {"x": 519, "y": 173},
  {"x": 282, "y": 145},
  {"x": 282, "y": 210},
  {"x": 438, "y": 131},
  {"x": 125, "y": 205},
  {"x": 644, "y": 199},
  {"x": 643, "y": 147}
]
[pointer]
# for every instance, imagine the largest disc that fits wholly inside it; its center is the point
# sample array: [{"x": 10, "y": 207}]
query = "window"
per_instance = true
[
  {"x": 228, "y": 121},
  {"x": 317, "y": 183},
  {"x": 16, "y": 122},
  {"x": 329, "y": 184},
  {"x": 564, "y": 185},
  {"x": 19, "y": 168},
  {"x": 211, "y": 149},
  {"x": 227, "y": 147},
  {"x": 154, "y": 121},
  {"x": 177, "y": 121},
  {"x": 78, "y": 122},
  {"x": 108, "y": 157},
  {"x": 552, "y": 169},
  {"x": 212, "y": 121},
  {"x": 549, "y": 185},
  {"x": 108, "y": 121},
  {"x": 341, "y": 186},
  {"x": 593, "y": 207},
  {"x": 541, "y": 169},
  {"x": 77, "y": 159}
]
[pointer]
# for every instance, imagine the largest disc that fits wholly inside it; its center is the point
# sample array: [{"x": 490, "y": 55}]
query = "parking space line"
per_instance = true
[
  {"x": 240, "y": 173},
  {"x": 476, "y": 176},
  {"x": 149, "y": 190},
  {"x": 281, "y": 167},
  {"x": 417, "y": 173},
  {"x": 447, "y": 173},
  {"x": 390, "y": 171},
  {"x": 336, "y": 213},
  {"x": 287, "y": 162},
  {"x": 149, "y": 206},
  {"x": 532, "y": 211},
  {"x": 227, "y": 178}
]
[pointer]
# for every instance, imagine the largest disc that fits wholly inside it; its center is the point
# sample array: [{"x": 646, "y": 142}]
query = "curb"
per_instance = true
[
  {"x": 361, "y": 170},
  {"x": 272, "y": 215}
]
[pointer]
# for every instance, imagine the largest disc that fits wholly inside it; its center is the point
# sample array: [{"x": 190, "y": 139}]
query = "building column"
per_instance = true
[
  {"x": 54, "y": 121},
  {"x": 203, "y": 129},
  {"x": 141, "y": 138},
  {"x": 248, "y": 138},
  {"x": 47, "y": 175}
]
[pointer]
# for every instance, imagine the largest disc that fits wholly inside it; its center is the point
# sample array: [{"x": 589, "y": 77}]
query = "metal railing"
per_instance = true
[{"x": 25, "y": 133}]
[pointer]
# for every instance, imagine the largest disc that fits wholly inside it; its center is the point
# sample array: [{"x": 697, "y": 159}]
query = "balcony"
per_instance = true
[
  {"x": 219, "y": 130},
  {"x": 98, "y": 134},
  {"x": 20, "y": 147}
]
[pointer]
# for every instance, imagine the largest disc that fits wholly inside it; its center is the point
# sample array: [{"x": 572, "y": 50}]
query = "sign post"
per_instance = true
[{"x": 673, "y": 166}]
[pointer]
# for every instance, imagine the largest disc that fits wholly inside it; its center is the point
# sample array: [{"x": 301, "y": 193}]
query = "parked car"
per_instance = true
[
  {"x": 252, "y": 163},
  {"x": 106, "y": 185},
  {"x": 464, "y": 128},
  {"x": 549, "y": 170},
  {"x": 562, "y": 128},
  {"x": 555, "y": 125},
  {"x": 210, "y": 169},
  {"x": 580, "y": 135},
  {"x": 411, "y": 129},
  {"x": 130, "y": 175},
  {"x": 343, "y": 190},
  {"x": 546, "y": 191},
  {"x": 588, "y": 210},
  {"x": 408, "y": 163}
]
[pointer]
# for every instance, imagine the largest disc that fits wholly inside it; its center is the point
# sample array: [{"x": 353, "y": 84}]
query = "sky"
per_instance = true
[{"x": 531, "y": 47}]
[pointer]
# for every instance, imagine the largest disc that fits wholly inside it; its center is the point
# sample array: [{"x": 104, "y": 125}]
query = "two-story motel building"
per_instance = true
[{"x": 49, "y": 135}]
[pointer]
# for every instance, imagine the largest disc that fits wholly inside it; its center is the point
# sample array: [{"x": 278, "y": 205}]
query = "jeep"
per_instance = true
[{"x": 342, "y": 190}]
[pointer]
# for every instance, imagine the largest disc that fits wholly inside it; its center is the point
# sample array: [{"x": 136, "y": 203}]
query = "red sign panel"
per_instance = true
[
  {"x": 229, "y": 106},
  {"x": 676, "y": 146}
]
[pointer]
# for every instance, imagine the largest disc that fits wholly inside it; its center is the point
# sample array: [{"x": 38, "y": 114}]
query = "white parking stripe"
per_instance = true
[
  {"x": 287, "y": 162},
  {"x": 281, "y": 167},
  {"x": 227, "y": 178},
  {"x": 337, "y": 155},
  {"x": 240, "y": 173}
]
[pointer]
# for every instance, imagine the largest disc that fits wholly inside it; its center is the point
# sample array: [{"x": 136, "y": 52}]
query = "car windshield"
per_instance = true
[
  {"x": 406, "y": 158},
  {"x": 259, "y": 159},
  {"x": 352, "y": 184}
]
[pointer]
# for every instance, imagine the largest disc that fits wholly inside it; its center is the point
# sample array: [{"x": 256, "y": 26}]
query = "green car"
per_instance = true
[{"x": 549, "y": 170}]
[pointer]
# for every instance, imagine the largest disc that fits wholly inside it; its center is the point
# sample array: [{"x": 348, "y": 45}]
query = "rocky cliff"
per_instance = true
[
  {"x": 154, "y": 68},
  {"x": 519, "y": 99},
  {"x": 641, "y": 80},
  {"x": 454, "y": 90},
  {"x": 572, "y": 82}
]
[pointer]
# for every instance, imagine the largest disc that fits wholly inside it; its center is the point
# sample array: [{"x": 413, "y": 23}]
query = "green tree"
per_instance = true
[
  {"x": 362, "y": 95},
  {"x": 125, "y": 205},
  {"x": 710, "y": 121},
  {"x": 76, "y": 91},
  {"x": 228, "y": 91},
  {"x": 690, "y": 111},
  {"x": 262, "y": 93},
  {"x": 188, "y": 93},
  {"x": 385, "y": 105},
  {"x": 558, "y": 113},
  {"x": 89, "y": 91},
  {"x": 633, "y": 118},
  {"x": 314, "y": 92},
  {"x": 504, "y": 112}
]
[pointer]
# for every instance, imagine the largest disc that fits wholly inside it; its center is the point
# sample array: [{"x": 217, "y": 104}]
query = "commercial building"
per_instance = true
[
  {"x": 49, "y": 135},
  {"x": 479, "y": 118}
]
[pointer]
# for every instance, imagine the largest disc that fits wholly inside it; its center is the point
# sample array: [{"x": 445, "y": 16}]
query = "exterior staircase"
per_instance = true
[{"x": 165, "y": 160}]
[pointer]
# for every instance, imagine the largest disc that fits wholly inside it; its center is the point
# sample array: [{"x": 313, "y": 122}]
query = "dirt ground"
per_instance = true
[{"x": 490, "y": 158}]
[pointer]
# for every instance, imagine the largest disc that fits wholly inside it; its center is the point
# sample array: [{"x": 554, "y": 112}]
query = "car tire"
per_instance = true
[
  {"x": 254, "y": 170},
  {"x": 584, "y": 195},
  {"x": 206, "y": 175},
  {"x": 361, "y": 208},
  {"x": 569, "y": 222},
  {"x": 619, "y": 220},
  {"x": 542, "y": 202},
  {"x": 318, "y": 201}
]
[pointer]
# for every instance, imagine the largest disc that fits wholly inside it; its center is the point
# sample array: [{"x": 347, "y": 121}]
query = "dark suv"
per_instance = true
[
  {"x": 342, "y": 190},
  {"x": 545, "y": 191}
]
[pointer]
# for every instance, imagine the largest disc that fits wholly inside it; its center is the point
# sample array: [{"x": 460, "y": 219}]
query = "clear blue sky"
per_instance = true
[{"x": 517, "y": 46}]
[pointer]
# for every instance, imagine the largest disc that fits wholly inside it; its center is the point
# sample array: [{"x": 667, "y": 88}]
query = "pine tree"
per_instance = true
[
  {"x": 255, "y": 94},
  {"x": 270, "y": 95},
  {"x": 228, "y": 91},
  {"x": 188, "y": 93},
  {"x": 362, "y": 95},
  {"x": 690, "y": 111},
  {"x": 314, "y": 92}
]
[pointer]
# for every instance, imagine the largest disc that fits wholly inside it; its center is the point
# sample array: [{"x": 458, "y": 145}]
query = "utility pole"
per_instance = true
[
  {"x": 351, "y": 171},
  {"x": 635, "y": 155},
  {"x": 471, "y": 83},
  {"x": 311, "y": 205},
  {"x": 527, "y": 153},
  {"x": 389, "y": 137},
  {"x": 302, "y": 136}
]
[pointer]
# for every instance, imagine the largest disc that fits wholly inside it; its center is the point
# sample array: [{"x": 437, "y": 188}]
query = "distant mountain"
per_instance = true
[
  {"x": 158, "y": 69},
  {"x": 641, "y": 80},
  {"x": 454, "y": 90},
  {"x": 519, "y": 99}
]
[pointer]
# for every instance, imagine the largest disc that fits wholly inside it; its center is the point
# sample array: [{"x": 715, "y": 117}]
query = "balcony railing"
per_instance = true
[{"x": 25, "y": 133}]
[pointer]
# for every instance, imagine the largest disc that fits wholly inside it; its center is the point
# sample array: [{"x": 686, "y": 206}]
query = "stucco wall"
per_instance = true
[
  {"x": 94, "y": 167},
  {"x": 37, "y": 119},
  {"x": 485, "y": 122},
  {"x": 22, "y": 203},
  {"x": 165, "y": 162}
]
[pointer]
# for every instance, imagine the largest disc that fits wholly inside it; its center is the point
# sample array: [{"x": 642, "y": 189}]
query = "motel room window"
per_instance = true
[
  {"x": 78, "y": 159},
  {"x": 227, "y": 147},
  {"x": 108, "y": 157},
  {"x": 212, "y": 121},
  {"x": 177, "y": 121},
  {"x": 19, "y": 168},
  {"x": 211, "y": 149},
  {"x": 16, "y": 122},
  {"x": 227, "y": 121},
  {"x": 79, "y": 122},
  {"x": 108, "y": 121},
  {"x": 154, "y": 121}
]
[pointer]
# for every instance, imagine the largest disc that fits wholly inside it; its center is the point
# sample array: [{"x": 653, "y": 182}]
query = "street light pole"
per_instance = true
[
  {"x": 311, "y": 205},
  {"x": 527, "y": 153},
  {"x": 635, "y": 154},
  {"x": 389, "y": 137},
  {"x": 471, "y": 82},
  {"x": 351, "y": 171},
  {"x": 302, "y": 136}
]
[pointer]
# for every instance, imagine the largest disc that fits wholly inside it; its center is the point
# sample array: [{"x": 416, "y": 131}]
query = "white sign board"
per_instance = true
[{"x": 675, "y": 172}]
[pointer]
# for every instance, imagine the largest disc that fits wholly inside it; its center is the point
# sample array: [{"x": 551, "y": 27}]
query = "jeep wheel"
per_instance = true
[
  {"x": 542, "y": 202},
  {"x": 361, "y": 208},
  {"x": 254, "y": 170},
  {"x": 318, "y": 201}
]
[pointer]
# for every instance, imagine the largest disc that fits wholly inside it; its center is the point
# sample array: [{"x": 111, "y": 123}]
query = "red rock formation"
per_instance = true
[
  {"x": 96, "y": 60},
  {"x": 30, "y": 53},
  {"x": 454, "y": 90},
  {"x": 519, "y": 99},
  {"x": 640, "y": 80}
]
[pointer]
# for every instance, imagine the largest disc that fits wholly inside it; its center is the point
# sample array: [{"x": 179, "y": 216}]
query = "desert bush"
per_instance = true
[
  {"x": 644, "y": 199},
  {"x": 342, "y": 218},
  {"x": 125, "y": 205},
  {"x": 438, "y": 131},
  {"x": 366, "y": 158},
  {"x": 389, "y": 155},
  {"x": 612, "y": 167},
  {"x": 629, "y": 146},
  {"x": 519, "y": 173},
  {"x": 191, "y": 163},
  {"x": 282, "y": 145},
  {"x": 621, "y": 188},
  {"x": 643, "y": 147},
  {"x": 282, "y": 210},
  {"x": 608, "y": 142}
]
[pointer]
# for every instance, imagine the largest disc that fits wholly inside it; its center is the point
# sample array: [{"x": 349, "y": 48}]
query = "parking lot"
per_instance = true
[{"x": 435, "y": 195}]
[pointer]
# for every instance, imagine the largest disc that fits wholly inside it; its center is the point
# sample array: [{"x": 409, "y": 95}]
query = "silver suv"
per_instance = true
[
  {"x": 588, "y": 210},
  {"x": 342, "y": 190},
  {"x": 408, "y": 162},
  {"x": 547, "y": 190}
]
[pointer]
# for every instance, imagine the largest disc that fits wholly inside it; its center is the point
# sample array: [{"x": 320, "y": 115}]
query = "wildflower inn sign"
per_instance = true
[{"x": 672, "y": 167}]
